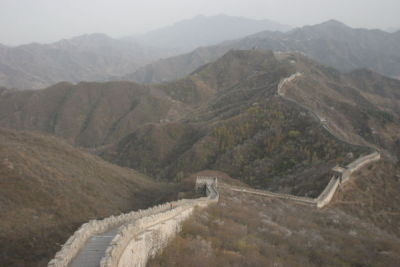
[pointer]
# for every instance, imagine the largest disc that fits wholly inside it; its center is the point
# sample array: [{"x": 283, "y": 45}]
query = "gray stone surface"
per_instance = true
[{"x": 94, "y": 250}]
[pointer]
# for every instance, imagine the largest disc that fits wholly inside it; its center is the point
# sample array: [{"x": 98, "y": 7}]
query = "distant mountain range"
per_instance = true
[
  {"x": 187, "y": 35},
  {"x": 84, "y": 58},
  {"x": 331, "y": 43},
  {"x": 97, "y": 57},
  {"x": 146, "y": 58}
]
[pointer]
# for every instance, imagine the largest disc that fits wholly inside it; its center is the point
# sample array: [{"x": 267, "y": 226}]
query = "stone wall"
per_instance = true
[
  {"x": 141, "y": 240},
  {"x": 142, "y": 233},
  {"x": 165, "y": 218},
  {"x": 207, "y": 183},
  {"x": 302, "y": 200},
  {"x": 326, "y": 196},
  {"x": 358, "y": 164}
]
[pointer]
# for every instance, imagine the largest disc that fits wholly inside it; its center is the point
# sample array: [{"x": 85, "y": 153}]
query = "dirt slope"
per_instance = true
[{"x": 48, "y": 189}]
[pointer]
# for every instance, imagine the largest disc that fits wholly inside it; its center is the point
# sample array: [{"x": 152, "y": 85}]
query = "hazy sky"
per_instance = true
[{"x": 24, "y": 21}]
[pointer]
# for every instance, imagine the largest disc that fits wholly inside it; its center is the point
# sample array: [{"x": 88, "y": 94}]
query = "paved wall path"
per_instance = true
[
  {"x": 93, "y": 252},
  {"x": 130, "y": 239}
]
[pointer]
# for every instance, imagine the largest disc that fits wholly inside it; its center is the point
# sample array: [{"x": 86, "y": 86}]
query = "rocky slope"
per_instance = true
[
  {"x": 49, "y": 188},
  {"x": 94, "y": 57},
  {"x": 331, "y": 43}
]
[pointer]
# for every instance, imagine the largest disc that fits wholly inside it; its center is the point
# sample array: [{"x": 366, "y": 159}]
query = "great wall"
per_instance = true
[
  {"x": 340, "y": 179},
  {"x": 131, "y": 239}
]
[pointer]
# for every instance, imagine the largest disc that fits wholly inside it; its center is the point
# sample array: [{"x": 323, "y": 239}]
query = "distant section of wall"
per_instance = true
[
  {"x": 205, "y": 182},
  {"x": 326, "y": 196},
  {"x": 358, "y": 164},
  {"x": 286, "y": 81},
  {"x": 301, "y": 200}
]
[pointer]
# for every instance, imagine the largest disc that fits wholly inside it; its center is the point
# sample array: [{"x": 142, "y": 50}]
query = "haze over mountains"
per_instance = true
[
  {"x": 87, "y": 57},
  {"x": 187, "y": 35},
  {"x": 97, "y": 57},
  {"x": 331, "y": 43},
  {"x": 393, "y": 29}
]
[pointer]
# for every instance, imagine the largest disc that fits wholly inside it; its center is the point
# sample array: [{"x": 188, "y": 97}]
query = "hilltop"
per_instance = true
[
  {"x": 98, "y": 57},
  {"x": 49, "y": 188}
]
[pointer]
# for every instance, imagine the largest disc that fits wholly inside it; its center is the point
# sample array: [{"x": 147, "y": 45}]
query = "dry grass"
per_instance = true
[
  {"x": 48, "y": 189},
  {"x": 247, "y": 230}
]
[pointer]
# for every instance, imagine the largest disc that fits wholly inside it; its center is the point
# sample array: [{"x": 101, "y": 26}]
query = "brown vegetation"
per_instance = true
[
  {"x": 248, "y": 230},
  {"x": 244, "y": 130},
  {"x": 225, "y": 116},
  {"x": 48, "y": 189},
  {"x": 87, "y": 114}
]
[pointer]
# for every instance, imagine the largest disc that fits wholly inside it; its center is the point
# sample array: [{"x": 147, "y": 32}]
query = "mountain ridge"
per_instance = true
[
  {"x": 331, "y": 43},
  {"x": 224, "y": 133},
  {"x": 85, "y": 57},
  {"x": 180, "y": 119}
]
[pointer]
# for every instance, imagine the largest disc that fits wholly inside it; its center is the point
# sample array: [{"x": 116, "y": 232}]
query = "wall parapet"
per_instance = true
[
  {"x": 140, "y": 219},
  {"x": 128, "y": 249}
]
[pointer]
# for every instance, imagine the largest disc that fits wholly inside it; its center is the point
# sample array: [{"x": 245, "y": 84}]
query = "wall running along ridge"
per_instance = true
[
  {"x": 144, "y": 231},
  {"x": 142, "y": 234},
  {"x": 326, "y": 196},
  {"x": 337, "y": 180}
]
